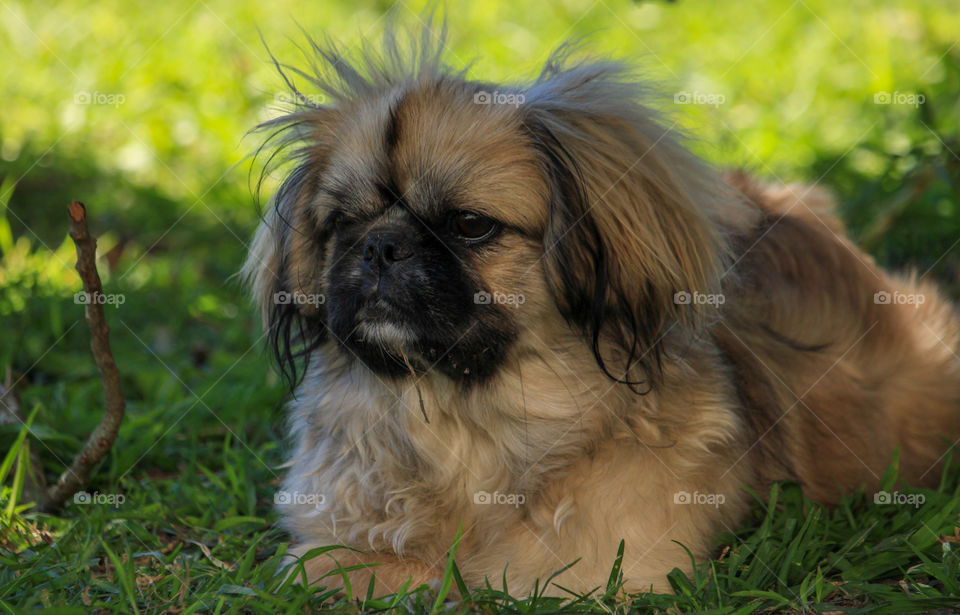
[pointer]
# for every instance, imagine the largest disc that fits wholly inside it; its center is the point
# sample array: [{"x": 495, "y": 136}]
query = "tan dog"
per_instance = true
[{"x": 528, "y": 311}]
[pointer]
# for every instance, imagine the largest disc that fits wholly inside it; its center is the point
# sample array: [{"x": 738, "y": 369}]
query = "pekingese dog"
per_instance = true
[{"x": 526, "y": 313}]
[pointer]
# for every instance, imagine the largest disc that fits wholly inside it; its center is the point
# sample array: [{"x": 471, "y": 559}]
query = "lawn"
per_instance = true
[{"x": 142, "y": 111}]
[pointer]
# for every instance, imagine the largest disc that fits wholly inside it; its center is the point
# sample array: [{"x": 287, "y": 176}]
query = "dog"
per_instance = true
[{"x": 526, "y": 316}]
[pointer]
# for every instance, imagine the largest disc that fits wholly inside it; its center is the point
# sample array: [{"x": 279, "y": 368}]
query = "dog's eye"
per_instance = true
[
  {"x": 335, "y": 220},
  {"x": 472, "y": 226}
]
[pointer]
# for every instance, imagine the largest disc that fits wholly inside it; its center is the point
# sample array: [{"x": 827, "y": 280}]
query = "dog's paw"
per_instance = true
[{"x": 351, "y": 571}]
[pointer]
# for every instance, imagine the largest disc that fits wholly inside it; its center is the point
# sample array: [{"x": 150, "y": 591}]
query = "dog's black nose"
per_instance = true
[{"x": 383, "y": 249}]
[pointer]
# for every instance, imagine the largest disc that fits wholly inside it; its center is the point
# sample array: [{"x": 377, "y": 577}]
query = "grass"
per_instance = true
[
  {"x": 165, "y": 177},
  {"x": 203, "y": 546}
]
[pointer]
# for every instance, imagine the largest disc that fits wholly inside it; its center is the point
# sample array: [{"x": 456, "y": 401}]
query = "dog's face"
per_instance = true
[
  {"x": 427, "y": 208},
  {"x": 426, "y": 229}
]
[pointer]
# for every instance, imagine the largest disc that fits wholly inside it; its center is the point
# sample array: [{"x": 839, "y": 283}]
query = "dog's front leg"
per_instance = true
[{"x": 351, "y": 571}]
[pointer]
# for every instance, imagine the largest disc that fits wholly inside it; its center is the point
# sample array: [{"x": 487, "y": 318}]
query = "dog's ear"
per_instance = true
[
  {"x": 629, "y": 228},
  {"x": 285, "y": 262}
]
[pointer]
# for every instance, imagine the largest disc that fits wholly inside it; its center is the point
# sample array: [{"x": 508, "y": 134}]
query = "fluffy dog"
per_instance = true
[{"x": 527, "y": 312}]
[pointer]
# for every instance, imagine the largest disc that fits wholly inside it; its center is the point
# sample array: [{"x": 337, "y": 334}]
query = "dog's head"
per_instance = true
[{"x": 430, "y": 222}]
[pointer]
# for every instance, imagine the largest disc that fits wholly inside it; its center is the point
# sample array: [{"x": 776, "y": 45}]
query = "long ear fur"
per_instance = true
[
  {"x": 631, "y": 215},
  {"x": 274, "y": 273},
  {"x": 285, "y": 242}
]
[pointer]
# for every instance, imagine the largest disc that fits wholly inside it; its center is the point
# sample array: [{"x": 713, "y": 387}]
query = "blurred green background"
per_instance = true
[{"x": 141, "y": 110}]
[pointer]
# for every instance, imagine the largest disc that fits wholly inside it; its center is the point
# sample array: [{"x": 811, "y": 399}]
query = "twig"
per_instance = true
[
  {"x": 105, "y": 433},
  {"x": 416, "y": 385}
]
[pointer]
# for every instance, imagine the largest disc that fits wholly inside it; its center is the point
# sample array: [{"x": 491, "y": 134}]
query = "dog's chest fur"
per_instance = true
[{"x": 391, "y": 480}]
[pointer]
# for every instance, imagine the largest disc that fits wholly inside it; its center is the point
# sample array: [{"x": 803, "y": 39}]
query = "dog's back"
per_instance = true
[{"x": 838, "y": 362}]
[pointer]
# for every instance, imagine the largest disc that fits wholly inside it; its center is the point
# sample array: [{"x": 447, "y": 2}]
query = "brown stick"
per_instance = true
[{"x": 105, "y": 433}]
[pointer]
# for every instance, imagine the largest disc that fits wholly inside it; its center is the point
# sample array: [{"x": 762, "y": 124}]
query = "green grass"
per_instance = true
[
  {"x": 201, "y": 544},
  {"x": 164, "y": 173}
]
